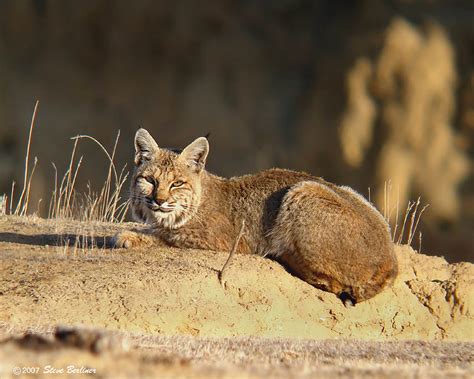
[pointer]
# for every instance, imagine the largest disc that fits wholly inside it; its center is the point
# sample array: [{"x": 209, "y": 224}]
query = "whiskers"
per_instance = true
[
  {"x": 136, "y": 198},
  {"x": 191, "y": 211},
  {"x": 174, "y": 213}
]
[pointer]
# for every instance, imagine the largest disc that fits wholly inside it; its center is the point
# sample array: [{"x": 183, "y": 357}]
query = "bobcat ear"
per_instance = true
[
  {"x": 195, "y": 154},
  {"x": 145, "y": 146}
]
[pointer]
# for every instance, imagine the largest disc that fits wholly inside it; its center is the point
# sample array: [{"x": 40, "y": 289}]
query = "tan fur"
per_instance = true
[{"x": 327, "y": 235}]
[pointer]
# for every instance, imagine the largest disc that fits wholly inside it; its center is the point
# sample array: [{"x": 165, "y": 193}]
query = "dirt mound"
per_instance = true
[{"x": 173, "y": 291}]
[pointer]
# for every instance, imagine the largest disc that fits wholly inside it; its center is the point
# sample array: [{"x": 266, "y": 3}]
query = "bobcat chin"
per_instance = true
[{"x": 327, "y": 235}]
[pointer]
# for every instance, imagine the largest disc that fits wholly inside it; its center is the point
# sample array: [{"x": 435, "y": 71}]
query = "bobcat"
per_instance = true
[{"x": 327, "y": 235}]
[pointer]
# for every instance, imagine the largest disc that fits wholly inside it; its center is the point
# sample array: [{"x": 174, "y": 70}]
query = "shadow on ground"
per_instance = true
[{"x": 59, "y": 239}]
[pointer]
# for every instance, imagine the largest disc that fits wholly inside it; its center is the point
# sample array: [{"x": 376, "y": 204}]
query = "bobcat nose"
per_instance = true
[
  {"x": 160, "y": 201},
  {"x": 162, "y": 205}
]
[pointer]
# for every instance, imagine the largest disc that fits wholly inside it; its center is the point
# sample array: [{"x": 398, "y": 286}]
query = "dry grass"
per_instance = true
[
  {"x": 21, "y": 208},
  {"x": 403, "y": 228},
  {"x": 106, "y": 205},
  {"x": 3, "y": 205},
  {"x": 66, "y": 202}
]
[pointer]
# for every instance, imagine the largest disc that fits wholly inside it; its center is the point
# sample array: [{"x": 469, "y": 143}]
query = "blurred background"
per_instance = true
[{"x": 362, "y": 93}]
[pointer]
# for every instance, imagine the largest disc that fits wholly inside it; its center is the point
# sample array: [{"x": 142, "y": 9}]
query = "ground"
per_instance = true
[{"x": 162, "y": 312}]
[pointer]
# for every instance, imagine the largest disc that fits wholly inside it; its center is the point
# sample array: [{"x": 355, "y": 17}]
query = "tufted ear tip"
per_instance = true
[
  {"x": 145, "y": 146},
  {"x": 195, "y": 154},
  {"x": 201, "y": 142}
]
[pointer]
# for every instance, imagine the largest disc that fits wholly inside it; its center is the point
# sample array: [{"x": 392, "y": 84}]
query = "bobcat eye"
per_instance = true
[
  {"x": 178, "y": 183},
  {"x": 148, "y": 179}
]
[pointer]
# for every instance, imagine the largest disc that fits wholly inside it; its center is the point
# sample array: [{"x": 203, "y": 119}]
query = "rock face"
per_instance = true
[
  {"x": 172, "y": 291},
  {"x": 413, "y": 81}
]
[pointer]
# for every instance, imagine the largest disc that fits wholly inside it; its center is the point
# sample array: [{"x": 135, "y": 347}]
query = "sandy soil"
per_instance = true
[
  {"x": 56, "y": 272},
  {"x": 123, "y": 356}
]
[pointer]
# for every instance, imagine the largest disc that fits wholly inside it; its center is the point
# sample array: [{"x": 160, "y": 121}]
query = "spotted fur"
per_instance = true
[{"x": 327, "y": 235}]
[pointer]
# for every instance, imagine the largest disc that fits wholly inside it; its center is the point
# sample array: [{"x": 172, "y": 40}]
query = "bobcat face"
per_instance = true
[{"x": 166, "y": 186}]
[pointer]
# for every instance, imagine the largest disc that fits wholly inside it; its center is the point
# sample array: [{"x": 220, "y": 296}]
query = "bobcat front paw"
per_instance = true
[{"x": 128, "y": 239}]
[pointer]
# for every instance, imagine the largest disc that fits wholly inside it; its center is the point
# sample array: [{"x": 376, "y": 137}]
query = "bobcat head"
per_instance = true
[{"x": 166, "y": 185}]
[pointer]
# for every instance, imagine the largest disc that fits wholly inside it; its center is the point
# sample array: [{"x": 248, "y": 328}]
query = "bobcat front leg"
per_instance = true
[{"x": 130, "y": 238}]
